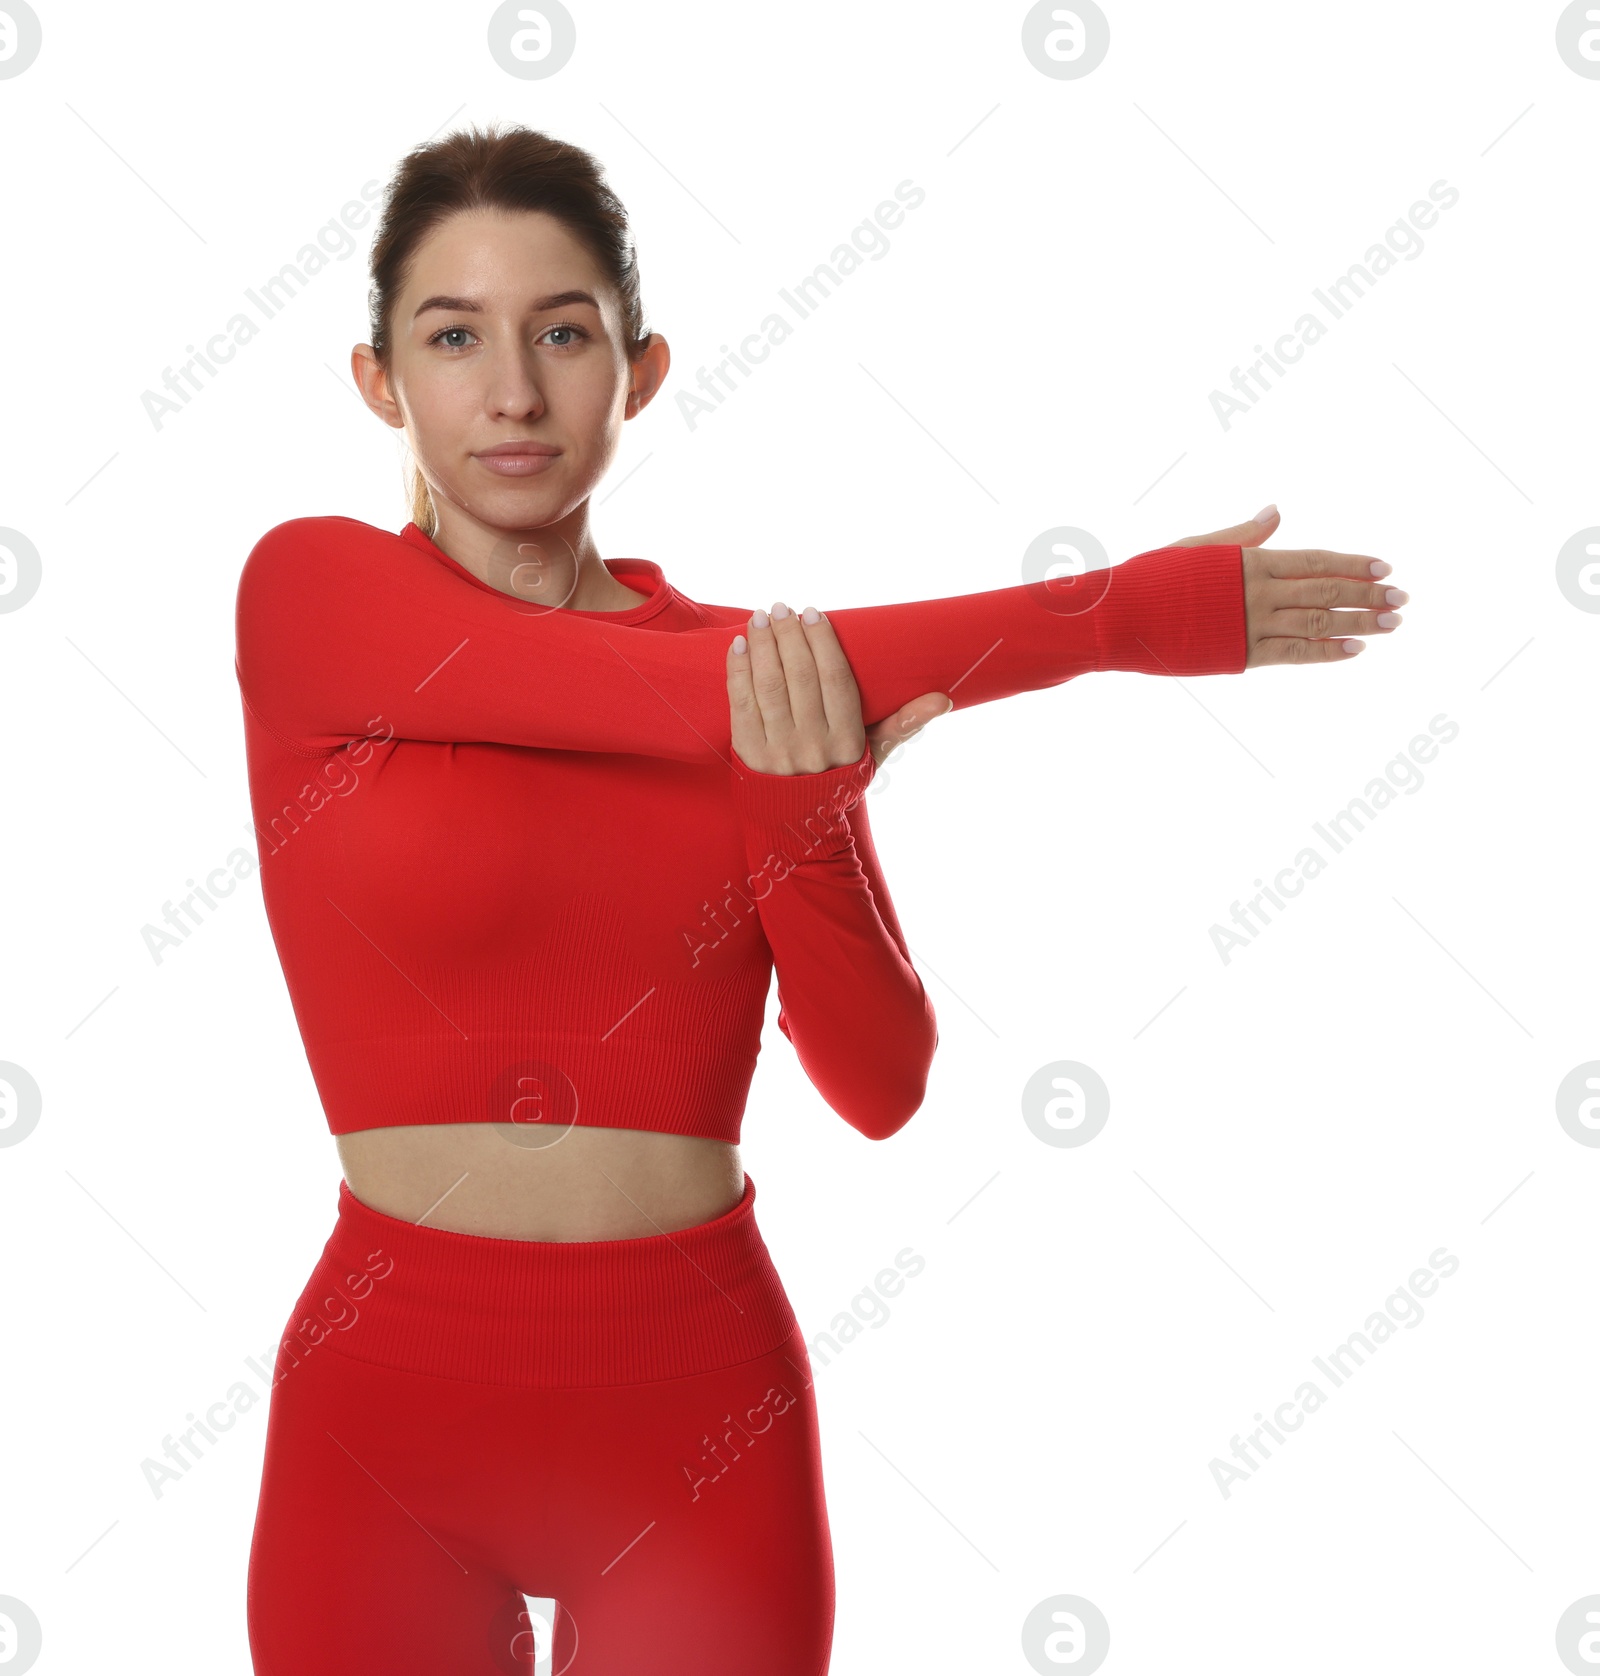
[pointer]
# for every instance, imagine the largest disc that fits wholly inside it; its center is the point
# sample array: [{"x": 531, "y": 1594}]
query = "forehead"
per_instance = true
[{"x": 503, "y": 256}]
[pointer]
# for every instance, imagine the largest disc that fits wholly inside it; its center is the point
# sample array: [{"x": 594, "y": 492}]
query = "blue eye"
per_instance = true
[{"x": 564, "y": 326}]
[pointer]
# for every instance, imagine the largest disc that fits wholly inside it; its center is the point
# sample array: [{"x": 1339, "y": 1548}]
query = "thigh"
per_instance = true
[
  {"x": 692, "y": 1526},
  {"x": 367, "y": 1559}
]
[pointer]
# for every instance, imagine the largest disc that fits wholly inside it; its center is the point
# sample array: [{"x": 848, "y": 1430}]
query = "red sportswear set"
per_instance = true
[{"x": 515, "y": 873}]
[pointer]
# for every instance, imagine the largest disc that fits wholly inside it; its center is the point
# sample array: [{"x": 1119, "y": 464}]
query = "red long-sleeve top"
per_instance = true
[{"x": 515, "y": 871}]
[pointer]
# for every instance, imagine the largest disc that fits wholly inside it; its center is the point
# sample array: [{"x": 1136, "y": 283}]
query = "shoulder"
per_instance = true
[
  {"x": 329, "y": 544},
  {"x": 711, "y": 616},
  {"x": 319, "y": 532}
]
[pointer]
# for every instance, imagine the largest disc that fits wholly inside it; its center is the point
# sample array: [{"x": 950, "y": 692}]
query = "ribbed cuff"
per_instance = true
[
  {"x": 1174, "y": 611},
  {"x": 800, "y": 816}
]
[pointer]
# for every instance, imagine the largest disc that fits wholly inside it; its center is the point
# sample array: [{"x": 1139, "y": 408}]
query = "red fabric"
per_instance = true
[
  {"x": 515, "y": 871},
  {"x": 625, "y": 1426}
]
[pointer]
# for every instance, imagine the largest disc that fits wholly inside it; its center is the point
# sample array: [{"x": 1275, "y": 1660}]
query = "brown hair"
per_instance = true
[{"x": 508, "y": 168}]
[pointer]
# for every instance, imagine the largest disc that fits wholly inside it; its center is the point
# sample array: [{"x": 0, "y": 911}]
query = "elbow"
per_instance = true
[
  {"x": 881, "y": 1122},
  {"x": 876, "y": 1081},
  {"x": 895, "y": 1099}
]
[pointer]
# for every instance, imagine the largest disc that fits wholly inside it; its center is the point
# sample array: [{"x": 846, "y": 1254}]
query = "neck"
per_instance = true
[{"x": 557, "y": 565}]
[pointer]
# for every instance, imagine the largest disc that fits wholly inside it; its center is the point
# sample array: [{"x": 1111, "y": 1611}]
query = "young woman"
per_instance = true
[{"x": 536, "y": 829}]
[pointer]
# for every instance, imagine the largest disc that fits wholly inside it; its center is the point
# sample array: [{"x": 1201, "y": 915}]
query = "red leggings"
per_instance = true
[{"x": 625, "y": 1426}]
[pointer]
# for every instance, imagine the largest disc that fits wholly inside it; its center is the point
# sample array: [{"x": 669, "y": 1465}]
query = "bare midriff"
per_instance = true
[{"x": 510, "y": 1181}]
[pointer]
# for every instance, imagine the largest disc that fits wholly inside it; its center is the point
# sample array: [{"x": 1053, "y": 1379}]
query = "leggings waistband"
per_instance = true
[{"x": 541, "y": 1312}]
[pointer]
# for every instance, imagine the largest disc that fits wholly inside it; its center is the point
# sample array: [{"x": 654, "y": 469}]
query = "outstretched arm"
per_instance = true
[{"x": 344, "y": 630}]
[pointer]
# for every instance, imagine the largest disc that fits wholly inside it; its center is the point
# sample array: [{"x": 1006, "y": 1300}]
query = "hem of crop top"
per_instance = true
[
  {"x": 729, "y": 1133},
  {"x": 413, "y": 1079}
]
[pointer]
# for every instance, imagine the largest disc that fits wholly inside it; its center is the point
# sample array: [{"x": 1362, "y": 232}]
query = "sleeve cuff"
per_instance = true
[
  {"x": 801, "y": 816},
  {"x": 1174, "y": 611}
]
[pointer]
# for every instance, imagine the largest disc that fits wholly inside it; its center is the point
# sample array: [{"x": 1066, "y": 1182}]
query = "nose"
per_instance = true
[{"x": 513, "y": 387}]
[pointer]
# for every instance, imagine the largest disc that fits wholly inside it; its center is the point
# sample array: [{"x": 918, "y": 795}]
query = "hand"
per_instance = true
[
  {"x": 794, "y": 703},
  {"x": 1289, "y": 594}
]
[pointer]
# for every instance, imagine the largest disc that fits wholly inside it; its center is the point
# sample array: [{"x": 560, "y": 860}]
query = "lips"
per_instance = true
[{"x": 519, "y": 459}]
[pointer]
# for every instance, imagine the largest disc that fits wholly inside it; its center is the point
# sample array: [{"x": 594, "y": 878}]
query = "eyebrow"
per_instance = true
[{"x": 470, "y": 305}]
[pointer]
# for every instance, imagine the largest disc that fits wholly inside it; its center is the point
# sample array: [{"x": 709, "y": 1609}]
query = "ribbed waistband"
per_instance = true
[{"x": 542, "y": 1312}]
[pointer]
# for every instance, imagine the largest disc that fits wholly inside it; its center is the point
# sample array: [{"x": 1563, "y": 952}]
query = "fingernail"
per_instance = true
[
  {"x": 758, "y": 618},
  {"x": 812, "y": 615},
  {"x": 1267, "y": 513},
  {"x": 1379, "y": 568},
  {"x": 740, "y": 644},
  {"x": 1396, "y": 596},
  {"x": 1388, "y": 619},
  {"x": 1353, "y": 645},
  {"x": 780, "y": 611}
]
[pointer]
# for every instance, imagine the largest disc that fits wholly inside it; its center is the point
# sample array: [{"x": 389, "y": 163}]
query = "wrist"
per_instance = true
[
  {"x": 801, "y": 815},
  {"x": 1175, "y": 611}
]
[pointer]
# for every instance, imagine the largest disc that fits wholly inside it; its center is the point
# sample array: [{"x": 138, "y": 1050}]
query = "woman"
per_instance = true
[{"x": 537, "y": 828}]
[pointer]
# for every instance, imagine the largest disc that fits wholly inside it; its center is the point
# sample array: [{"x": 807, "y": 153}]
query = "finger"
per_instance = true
[
  {"x": 887, "y": 736},
  {"x": 836, "y": 681},
  {"x": 1329, "y": 591},
  {"x": 806, "y": 708},
  {"x": 1305, "y": 606},
  {"x": 1285, "y": 563},
  {"x": 1317, "y": 624},
  {"x": 768, "y": 679},
  {"x": 1296, "y": 650},
  {"x": 1251, "y": 533},
  {"x": 744, "y": 712}
]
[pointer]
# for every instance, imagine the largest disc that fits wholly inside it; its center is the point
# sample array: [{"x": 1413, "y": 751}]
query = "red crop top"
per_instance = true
[{"x": 515, "y": 872}]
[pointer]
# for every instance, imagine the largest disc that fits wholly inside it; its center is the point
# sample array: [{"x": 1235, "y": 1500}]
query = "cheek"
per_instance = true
[
  {"x": 442, "y": 414},
  {"x": 593, "y": 399},
  {"x": 588, "y": 406}
]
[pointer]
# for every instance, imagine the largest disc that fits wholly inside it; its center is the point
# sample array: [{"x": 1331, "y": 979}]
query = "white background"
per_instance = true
[{"x": 1372, "y": 1078}]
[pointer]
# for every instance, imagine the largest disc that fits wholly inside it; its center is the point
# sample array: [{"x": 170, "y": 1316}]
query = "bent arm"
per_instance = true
[
  {"x": 344, "y": 630},
  {"x": 850, "y": 1000}
]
